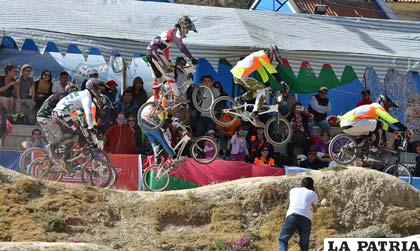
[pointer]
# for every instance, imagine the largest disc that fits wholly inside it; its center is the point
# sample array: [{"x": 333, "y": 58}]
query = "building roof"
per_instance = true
[
  {"x": 346, "y": 8},
  {"x": 129, "y": 26}
]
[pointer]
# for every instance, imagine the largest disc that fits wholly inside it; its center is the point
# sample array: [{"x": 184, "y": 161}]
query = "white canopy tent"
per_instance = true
[{"x": 128, "y": 26}]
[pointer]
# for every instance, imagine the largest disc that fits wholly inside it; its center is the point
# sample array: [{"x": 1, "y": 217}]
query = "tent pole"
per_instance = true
[{"x": 124, "y": 77}]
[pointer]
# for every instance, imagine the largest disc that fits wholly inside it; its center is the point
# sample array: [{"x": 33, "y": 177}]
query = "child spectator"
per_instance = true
[
  {"x": 238, "y": 149},
  {"x": 263, "y": 159},
  {"x": 321, "y": 146},
  {"x": 208, "y": 147}
]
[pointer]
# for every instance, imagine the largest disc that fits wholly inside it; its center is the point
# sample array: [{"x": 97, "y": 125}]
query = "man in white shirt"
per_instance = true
[{"x": 299, "y": 215}]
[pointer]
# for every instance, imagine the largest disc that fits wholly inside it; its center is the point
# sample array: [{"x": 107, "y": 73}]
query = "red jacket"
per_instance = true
[
  {"x": 120, "y": 139},
  {"x": 364, "y": 102}
]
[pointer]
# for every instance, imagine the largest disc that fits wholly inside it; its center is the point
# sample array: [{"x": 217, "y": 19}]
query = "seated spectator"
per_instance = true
[
  {"x": 365, "y": 98},
  {"x": 60, "y": 85},
  {"x": 36, "y": 140},
  {"x": 139, "y": 93},
  {"x": 287, "y": 101},
  {"x": 42, "y": 89},
  {"x": 312, "y": 162},
  {"x": 7, "y": 88},
  {"x": 300, "y": 134},
  {"x": 24, "y": 102},
  {"x": 120, "y": 138},
  {"x": 256, "y": 141},
  {"x": 112, "y": 93},
  {"x": 208, "y": 147},
  {"x": 141, "y": 140},
  {"x": 319, "y": 106},
  {"x": 321, "y": 147},
  {"x": 127, "y": 106},
  {"x": 263, "y": 158},
  {"x": 238, "y": 146}
]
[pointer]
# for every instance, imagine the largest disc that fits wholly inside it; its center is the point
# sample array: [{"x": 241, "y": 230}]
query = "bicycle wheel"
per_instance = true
[
  {"x": 113, "y": 180},
  {"x": 156, "y": 178},
  {"x": 222, "y": 111},
  {"x": 342, "y": 149},
  {"x": 202, "y": 98},
  {"x": 87, "y": 166},
  {"x": 154, "y": 119},
  {"x": 44, "y": 168},
  {"x": 204, "y": 150},
  {"x": 101, "y": 173},
  {"x": 278, "y": 131},
  {"x": 28, "y": 156},
  {"x": 400, "y": 171}
]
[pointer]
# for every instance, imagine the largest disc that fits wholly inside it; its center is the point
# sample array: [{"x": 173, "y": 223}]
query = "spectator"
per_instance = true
[
  {"x": 219, "y": 87},
  {"x": 287, "y": 100},
  {"x": 139, "y": 93},
  {"x": 205, "y": 121},
  {"x": 36, "y": 140},
  {"x": 365, "y": 98},
  {"x": 94, "y": 74},
  {"x": 302, "y": 201},
  {"x": 60, "y": 86},
  {"x": 24, "y": 102},
  {"x": 226, "y": 132},
  {"x": 7, "y": 88},
  {"x": 256, "y": 142},
  {"x": 321, "y": 146},
  {"x": 42, "y": 89},
  {"x": 263, "y": 158},
  {"x": 300, "y": 134},
  {"x": 208, "y": 147},
  {"x": 120, "y": 138},
  {"x": 312, "y": 162},
  {"x": 238, "y": 149},
  {"x": 127, "y": 106},
  {"x": 112, "y": 93},
  {"x": 141, "y": 141},
  {"x": 180, "y": 75},
  {"x": 319, "y": 106}
]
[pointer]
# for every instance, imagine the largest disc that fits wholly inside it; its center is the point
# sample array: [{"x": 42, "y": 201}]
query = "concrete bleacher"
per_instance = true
[{"x": 20, "y": 133}]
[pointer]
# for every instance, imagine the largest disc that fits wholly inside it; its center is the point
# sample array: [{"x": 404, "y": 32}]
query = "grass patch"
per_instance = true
[
  {"x": 52, "y": 221},
  {"x": 28, "y": 189},
  {"x": 405, "y": 222}
]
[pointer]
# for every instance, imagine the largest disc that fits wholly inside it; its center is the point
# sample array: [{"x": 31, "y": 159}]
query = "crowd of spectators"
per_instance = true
[{"x": 238, "y": 142}]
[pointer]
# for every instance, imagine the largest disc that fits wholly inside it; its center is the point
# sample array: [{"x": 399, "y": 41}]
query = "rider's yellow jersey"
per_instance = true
[
  {"x": 256, "y": 61},
  {"x": 372, "y": 111}
]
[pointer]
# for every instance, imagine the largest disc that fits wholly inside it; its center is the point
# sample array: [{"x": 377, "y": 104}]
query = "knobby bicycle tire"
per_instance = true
[
  {"x": 149, "y": 126},
  {"x": 217, "y": 115},
  {"x": 196, "y": 97},
  {"x": 198, "y": 147},
  {"x": 391, "y": 170},
  {"x": 23, "y": 167},
  {"x": 332, "y": 153},
  {"x": 268, "y": 131},
  {"x": 156, "y": 184}
]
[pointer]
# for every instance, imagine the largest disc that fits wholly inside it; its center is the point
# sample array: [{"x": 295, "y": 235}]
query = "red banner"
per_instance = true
[
  {"x": 127, "y": 167},
  {"x": 218, "y": 171}
]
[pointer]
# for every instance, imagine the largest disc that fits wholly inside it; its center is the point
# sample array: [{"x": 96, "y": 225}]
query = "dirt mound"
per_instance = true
[{"x": 355, "y": 202}]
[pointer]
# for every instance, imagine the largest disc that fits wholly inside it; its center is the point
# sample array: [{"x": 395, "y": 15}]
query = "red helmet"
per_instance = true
[{"x": 332, "y": 120}]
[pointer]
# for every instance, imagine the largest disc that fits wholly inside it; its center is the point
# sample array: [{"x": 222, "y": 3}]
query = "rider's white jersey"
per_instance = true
[{"x": 76, "y": 102}]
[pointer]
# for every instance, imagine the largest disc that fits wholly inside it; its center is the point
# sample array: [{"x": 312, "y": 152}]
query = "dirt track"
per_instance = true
[{"x": 356, "y": 202}]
